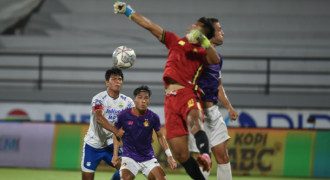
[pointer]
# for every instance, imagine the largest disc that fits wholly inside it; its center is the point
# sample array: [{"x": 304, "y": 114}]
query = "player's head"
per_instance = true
[
  {"x": 205, "y": 26},
  {"x": 217, "y": 39},
  {"x": 142, "y": 97},
  {"x": 114, "y": 79}
]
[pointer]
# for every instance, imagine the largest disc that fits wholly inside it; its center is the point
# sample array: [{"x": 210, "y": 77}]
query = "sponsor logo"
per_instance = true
[
  {"x": 9, "y": 143},
  {"x": 17, "y": 115},
  {"x": 182, "y": 43},
  {"x": 130, "y": 123},
  {"x": 191, "y": 103}
]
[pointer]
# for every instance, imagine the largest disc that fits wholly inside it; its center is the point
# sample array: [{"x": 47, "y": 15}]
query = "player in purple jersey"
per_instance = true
[
  {"x": 138, "y": 155},
  {"x": 215, "y": 127}
]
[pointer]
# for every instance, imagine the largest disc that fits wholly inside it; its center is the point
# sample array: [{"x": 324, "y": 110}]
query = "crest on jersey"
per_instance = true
[
  {"x": 146, "y": 123},
  {"x": 191, "y": 103},
  {"x": 124, "y": 164},
  {"x": 120, "y": 104}
]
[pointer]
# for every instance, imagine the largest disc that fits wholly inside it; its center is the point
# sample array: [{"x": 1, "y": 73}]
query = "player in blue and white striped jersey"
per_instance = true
[{"x": 98, "y": 142}]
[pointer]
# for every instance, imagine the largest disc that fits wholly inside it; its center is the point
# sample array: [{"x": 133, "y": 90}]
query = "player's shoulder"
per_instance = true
[
  {"x": 169, "y": 36},
  {"x": 152, "y": 114},
  {"x": 101, "y": 95},
  {"x": 124, "y": 97},
  {"x": 125, "y": 112}
]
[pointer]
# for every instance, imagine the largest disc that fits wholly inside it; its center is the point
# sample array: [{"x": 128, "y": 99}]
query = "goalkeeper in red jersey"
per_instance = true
[{"x": 186, "y": 59}]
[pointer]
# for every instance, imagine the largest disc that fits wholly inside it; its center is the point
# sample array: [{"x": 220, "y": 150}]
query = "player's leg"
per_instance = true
[
  {"x": 194, "y": 120},
  {"x": 89, "y": 161},
  {"x": 218, "y": 136},
  {"x": 152, "y": 170},
  {"x": 126, "y": 175},
  {"x": 179, "y": 146},
  {"x": 157, "y": 173},
  {"x": 129, "y": 168},
  {"x": 176, "y": 107},
  {"x": 221, "y": 155}
]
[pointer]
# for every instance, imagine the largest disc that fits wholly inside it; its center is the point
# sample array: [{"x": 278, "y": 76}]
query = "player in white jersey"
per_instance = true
[{"x": 98, "y": 142}]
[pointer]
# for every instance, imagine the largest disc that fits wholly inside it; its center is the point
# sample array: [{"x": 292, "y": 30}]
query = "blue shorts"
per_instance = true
[{"x": 91, "y": 157}]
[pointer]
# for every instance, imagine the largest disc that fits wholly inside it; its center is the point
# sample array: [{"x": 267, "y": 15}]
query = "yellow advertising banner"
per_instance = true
[{"x": 257, "y": 151}]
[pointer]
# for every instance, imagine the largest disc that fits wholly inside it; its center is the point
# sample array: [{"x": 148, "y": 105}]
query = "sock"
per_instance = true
[
  {"x": 206, "y": 174},
  {"x": 192, "y": 169},
  {"x": 202, "y": 142},
  {"x": 116, "y": 176},
  {"x": 224, "y": 171}
]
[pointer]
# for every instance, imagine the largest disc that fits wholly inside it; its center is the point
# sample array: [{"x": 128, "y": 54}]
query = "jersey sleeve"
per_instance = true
[
  {"x": 97, "y": 104},
  {"x": 169, "y": 38},
  {"x": 157, "y": 122},
  {"x": 131, "y": 104}
]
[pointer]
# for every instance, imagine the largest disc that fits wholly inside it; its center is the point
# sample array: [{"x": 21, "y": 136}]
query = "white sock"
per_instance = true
[
  {"x": 224, "y": 172},
  {"x": 206, "y": 174}
]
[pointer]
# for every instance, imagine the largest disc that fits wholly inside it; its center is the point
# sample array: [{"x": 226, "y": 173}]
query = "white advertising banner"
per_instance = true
[
  {"x": 26, "y": 145},
  {"x": 72, "y": 113},
  {"x": 248, "y": 117}
]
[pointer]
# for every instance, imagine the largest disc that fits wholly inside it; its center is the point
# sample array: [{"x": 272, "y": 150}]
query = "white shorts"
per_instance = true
[
  {"x": 214, "y": 127},
  {"x": 145, "y": 167}
]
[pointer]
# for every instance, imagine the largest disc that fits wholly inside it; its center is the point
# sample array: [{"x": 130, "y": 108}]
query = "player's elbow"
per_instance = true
[{"x": 213, "y": 59}]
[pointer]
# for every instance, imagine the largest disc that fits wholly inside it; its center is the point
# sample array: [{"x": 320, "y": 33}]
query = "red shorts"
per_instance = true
[{"x": 177, "y": 104}]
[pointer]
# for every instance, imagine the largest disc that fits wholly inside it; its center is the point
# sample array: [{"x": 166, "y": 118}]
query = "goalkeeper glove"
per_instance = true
[
  {"x": 121, "y": 7},
  {"x": 195, "y": 36}
]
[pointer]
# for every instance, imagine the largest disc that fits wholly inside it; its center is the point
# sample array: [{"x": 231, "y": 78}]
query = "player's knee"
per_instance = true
[
  {"x": 181, "y": 157},
  {"x": 223, "y": 159}
]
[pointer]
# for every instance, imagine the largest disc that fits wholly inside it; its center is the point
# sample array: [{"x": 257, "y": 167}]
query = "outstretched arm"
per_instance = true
[
  {"x": 163, "y": 143},
  {"x": 121, "y": 7},
  {"x": 226, "y": 103}
]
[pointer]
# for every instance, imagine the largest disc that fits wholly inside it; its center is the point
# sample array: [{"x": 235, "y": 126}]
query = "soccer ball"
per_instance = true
[{"x": 123, "y": 57}]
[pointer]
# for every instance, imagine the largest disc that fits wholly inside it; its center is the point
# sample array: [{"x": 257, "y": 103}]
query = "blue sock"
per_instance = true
[{"x": 116, "y": 176}]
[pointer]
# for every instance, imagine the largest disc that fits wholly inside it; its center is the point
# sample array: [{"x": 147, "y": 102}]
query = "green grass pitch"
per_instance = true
[{"x": 41, "y": 174}]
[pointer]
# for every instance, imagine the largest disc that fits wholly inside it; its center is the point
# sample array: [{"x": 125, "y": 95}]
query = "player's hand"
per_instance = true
[
  {"x": 171, "y": 162},
  {"x": 120, "y": 132},
  {"x": 123, "y": 8},
  {"x": 233, "y": 114},
  {"x": 115, "y": 160},
  {"x": 196, "y": 36},
  {"x": 119, "y": 7}
]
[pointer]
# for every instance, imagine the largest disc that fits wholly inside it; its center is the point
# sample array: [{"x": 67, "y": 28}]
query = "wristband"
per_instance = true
[
  {"x": 129, "y": 11},
  {"x": 168, "y": 152}
]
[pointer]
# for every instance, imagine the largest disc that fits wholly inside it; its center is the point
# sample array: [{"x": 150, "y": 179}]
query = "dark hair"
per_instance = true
[
  {"x": 115, "y": 71},
  {"x": 207, "y": 27},
  {"x": 213, "y": 20},
  {"x": 142, "y": 88}
]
